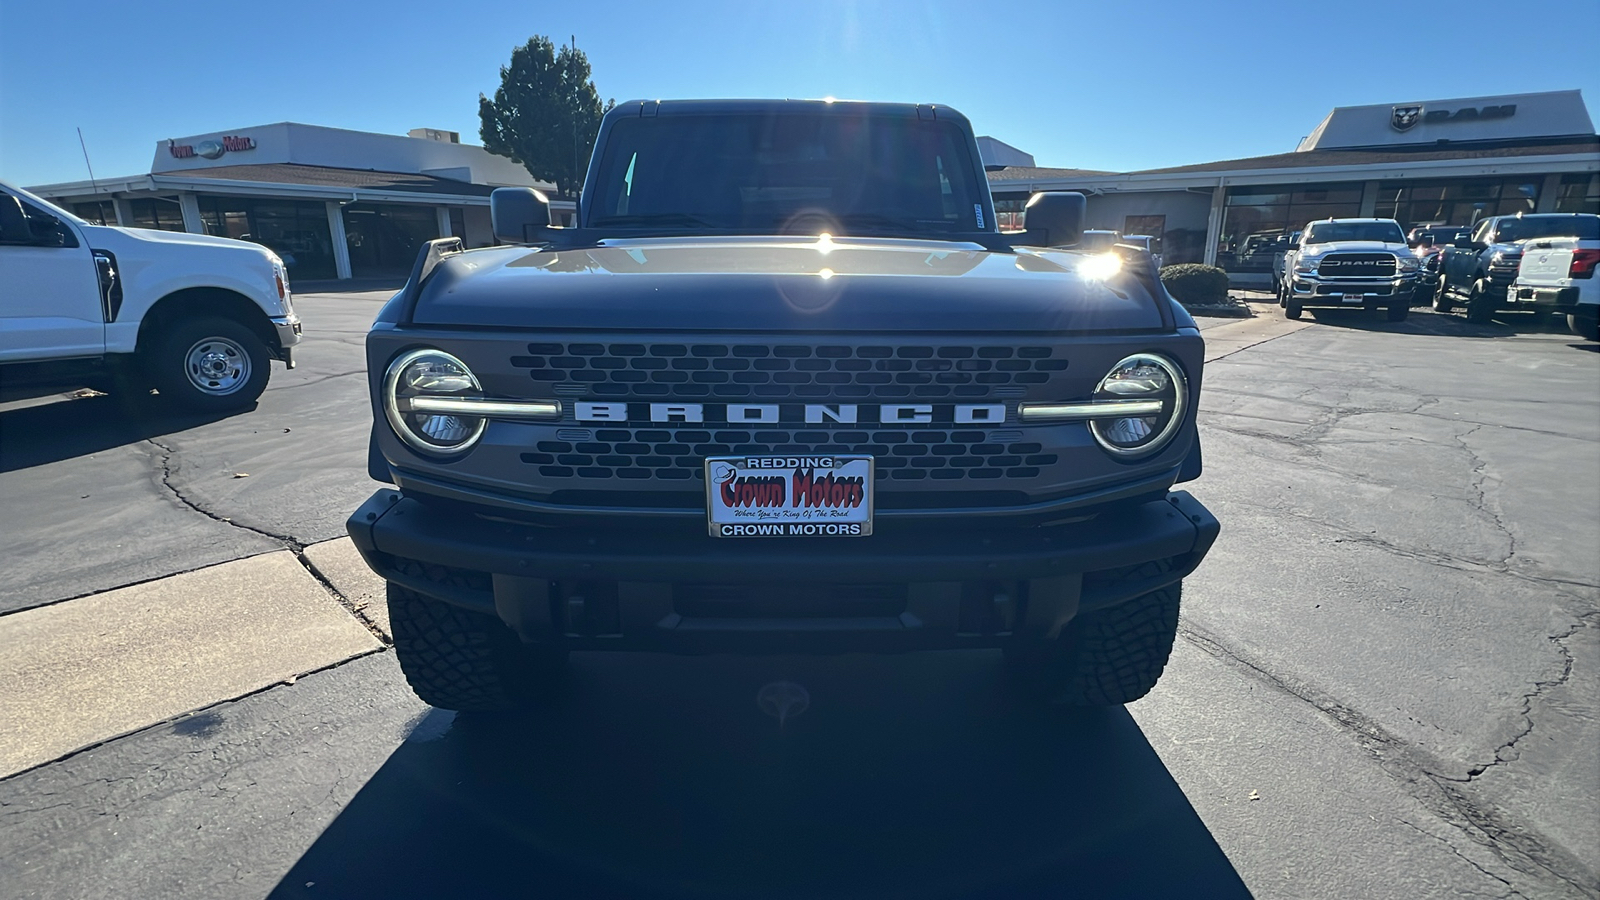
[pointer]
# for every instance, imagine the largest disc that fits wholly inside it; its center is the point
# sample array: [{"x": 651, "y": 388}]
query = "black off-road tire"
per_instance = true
[
  {"x": 170, "y": 361},
  {"x": 1480, "y": 304},
  {"x": 1291, "y": 310},
  {"x": 1108, "y": 657},
  {"x": 1586, "y": 327},
  {"x": 457, "y": 659},
  {"x": 1442, "y": 301}
]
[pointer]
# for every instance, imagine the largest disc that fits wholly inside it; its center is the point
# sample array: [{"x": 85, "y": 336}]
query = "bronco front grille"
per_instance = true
[
  {"x": 679, "y": 454},
  {"x": 789, "y": 370},
  {"x": 1357, "y": 265}
]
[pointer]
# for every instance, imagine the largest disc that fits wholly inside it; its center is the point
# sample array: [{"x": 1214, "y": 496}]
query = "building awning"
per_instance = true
[
  {"x": 288, "y": 180},
  {"x": 1438, "y": 161}
]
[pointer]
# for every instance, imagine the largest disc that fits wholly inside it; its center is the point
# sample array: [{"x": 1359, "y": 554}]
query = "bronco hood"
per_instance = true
[{"x": 787, "y": 284}]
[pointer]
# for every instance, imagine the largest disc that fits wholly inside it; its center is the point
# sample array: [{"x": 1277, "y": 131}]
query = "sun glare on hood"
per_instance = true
[{"x": 1100, "y": 266}]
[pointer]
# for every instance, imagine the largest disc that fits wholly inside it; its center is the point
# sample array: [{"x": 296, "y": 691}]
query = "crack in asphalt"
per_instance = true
[
  {"x": 1520, "y": 847},
  {"x": 1480, "y": 476},
  {"x": 1509, "y": 891},
  {"x": 320, "y": 379},
  {"x": 288, "y": 542}
]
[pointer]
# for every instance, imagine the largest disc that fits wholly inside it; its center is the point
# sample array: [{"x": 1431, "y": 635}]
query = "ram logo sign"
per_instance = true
[{"x": 1403, "y": 117}]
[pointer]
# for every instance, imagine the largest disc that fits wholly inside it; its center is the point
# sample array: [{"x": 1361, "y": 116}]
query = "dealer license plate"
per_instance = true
[
  {"x": 1353, "y": 298},
  {"x": 789, "y": 496}
]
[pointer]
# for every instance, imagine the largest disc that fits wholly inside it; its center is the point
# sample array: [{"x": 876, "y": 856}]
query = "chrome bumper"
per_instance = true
[{"x": 288, "y": 330}]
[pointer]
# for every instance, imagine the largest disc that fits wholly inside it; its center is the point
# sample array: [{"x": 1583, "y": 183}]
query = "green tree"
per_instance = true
[{"x": 546, "y": 113}]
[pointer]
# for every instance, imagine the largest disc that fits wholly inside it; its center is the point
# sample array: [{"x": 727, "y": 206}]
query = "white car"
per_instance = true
[
  {"x": 198, "y": 318},
  {"x": 1558, "y": 274}
]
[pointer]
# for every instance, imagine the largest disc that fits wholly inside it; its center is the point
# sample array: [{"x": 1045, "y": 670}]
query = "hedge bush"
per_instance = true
[{"x": 1195, "y": 285}]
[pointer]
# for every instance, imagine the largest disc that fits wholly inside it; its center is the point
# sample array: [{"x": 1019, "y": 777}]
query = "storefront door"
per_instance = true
[{"x": 384, "y": 238}]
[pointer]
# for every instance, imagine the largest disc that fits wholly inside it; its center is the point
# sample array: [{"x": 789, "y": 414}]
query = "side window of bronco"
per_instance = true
[{"x": 1480, "y": 235}]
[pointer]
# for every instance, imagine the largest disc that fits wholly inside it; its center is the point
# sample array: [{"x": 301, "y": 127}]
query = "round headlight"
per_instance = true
[
  {"x": 1143, "y": 376},
  {"x": 431, "y": 373}
]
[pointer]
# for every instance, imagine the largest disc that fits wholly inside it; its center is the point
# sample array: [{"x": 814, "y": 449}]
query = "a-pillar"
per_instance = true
[{"x": 341, "y": 246}]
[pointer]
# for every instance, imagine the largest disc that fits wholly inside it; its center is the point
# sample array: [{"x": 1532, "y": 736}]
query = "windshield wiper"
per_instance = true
[
  {"x": 876, "y": 220},
  {"x": 649, "y": 219}
]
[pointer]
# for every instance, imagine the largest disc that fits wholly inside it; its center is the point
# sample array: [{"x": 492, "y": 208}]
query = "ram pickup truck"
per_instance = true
[
  {"x": 126, "y": 309},
  {"x": 1477, "y": 270},
  {"x": 784, "y": 387},
  {"x": 1350, "y": 264},
  {"x": 1558, "y": 274}
]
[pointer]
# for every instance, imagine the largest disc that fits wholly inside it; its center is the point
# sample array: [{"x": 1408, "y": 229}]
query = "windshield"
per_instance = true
[
  {"x": 1330, "y": 232},
  {"x": 789, "y": 174},
  {"x": 1583, "y": 227}
]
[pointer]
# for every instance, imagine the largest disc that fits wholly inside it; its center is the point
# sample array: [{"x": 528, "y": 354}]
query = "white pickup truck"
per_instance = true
[
  {"x": 1559, "y": 274},
  {"x": 198, "y": 318}
]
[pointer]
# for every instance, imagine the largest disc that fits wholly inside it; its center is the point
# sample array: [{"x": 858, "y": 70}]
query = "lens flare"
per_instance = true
[{"x": 1100, "y": 266}]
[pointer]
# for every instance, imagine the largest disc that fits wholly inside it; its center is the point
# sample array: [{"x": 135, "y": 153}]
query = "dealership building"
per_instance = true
[
  {"x": 340, "y": 204},
  {"x": 333, "y": 203},
  {"x": 1448, "y": 162}
]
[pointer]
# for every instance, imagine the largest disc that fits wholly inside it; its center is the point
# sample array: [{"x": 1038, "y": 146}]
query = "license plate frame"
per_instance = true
[
  {"x": 1353, "y": 298},
  {"x": 790, "y": 495}
]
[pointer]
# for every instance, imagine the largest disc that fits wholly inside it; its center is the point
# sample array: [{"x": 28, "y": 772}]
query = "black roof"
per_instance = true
[{"x": 778, "y": 107}]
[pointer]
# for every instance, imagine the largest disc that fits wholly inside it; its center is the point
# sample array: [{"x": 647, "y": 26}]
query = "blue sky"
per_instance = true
[{"x": 1110, "y": 85}]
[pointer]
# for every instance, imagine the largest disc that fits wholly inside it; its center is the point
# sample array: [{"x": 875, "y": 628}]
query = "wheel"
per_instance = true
[
  {"x": 1480, "y": 304},
  {"x": 1399, "y": 309},
  {"x": 1587, "y": 327},
  {"x": 1283, "y": 294},
  {"x": 1107, "y": 657},
  {"x": 211, "y": 365},
  {"x": 1441, "y": 297},
  {"x": 454, "y": 658},
  {"x": 1291, "y": 310}
]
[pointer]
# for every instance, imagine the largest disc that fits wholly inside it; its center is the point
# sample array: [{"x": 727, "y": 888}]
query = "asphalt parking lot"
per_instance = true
[{"x": 1385, "y": 684}]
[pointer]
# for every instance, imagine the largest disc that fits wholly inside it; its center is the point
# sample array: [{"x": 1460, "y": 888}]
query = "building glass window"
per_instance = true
[
  {"x": 296, "y": 230},
  {"x": 1463, "y": 203},
  {"x": 100, "y": 212},
  {"x": 384, "y": 237},
  {"x": 1579, "y": 194},
  {"x": 1257, "y": 220},
  {"x": 1008, "y": 214},
  {"x": 159, "y": 213}
]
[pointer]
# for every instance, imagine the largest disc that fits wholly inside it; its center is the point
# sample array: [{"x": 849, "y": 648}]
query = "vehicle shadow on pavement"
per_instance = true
[
  {"x": 916, "y": 776},
  {"x": 38, "y": 435},
  {"x": 1422, "y": 321}
]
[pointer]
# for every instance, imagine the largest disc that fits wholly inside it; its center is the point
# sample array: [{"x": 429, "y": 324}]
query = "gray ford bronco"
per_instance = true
[{"x": 783, "y": 388}]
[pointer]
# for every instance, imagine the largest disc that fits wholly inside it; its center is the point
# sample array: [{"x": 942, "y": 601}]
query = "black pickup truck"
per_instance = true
[
  {"x": 783, "y": 388},
  {"x": 1475, "y": 270}
]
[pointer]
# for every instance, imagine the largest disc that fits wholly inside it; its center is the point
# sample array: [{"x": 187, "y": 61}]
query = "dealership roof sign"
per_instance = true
[
  {"x": 211, "y": 149},
  {"x": 1553, "y": 114}
]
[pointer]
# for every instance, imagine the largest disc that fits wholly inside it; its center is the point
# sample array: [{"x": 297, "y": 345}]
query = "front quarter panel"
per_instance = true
[{"x": 153, "y": 269}]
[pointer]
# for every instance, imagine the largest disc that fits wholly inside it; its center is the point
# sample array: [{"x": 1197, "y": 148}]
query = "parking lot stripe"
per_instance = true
[
  {"x": 341, "y": 564},
  {"x": 81, "y": 672}
]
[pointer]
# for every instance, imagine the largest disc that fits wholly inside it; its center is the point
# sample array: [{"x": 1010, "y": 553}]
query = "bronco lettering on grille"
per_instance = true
[{"x": 773, "y": 413}]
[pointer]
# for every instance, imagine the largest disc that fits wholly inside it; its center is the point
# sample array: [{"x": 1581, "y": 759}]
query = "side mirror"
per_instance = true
[
  {"x": 1462, "y": 242},
  {"x": 519, "y": 215},
  {"x": 1059, "y": 214}
]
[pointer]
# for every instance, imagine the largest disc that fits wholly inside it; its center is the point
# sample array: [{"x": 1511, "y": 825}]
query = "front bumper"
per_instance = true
[
  {"x": 1313, "y": 290},
  {"x": 288, "y": 331},
  {"x": 599, "y": 589}
]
